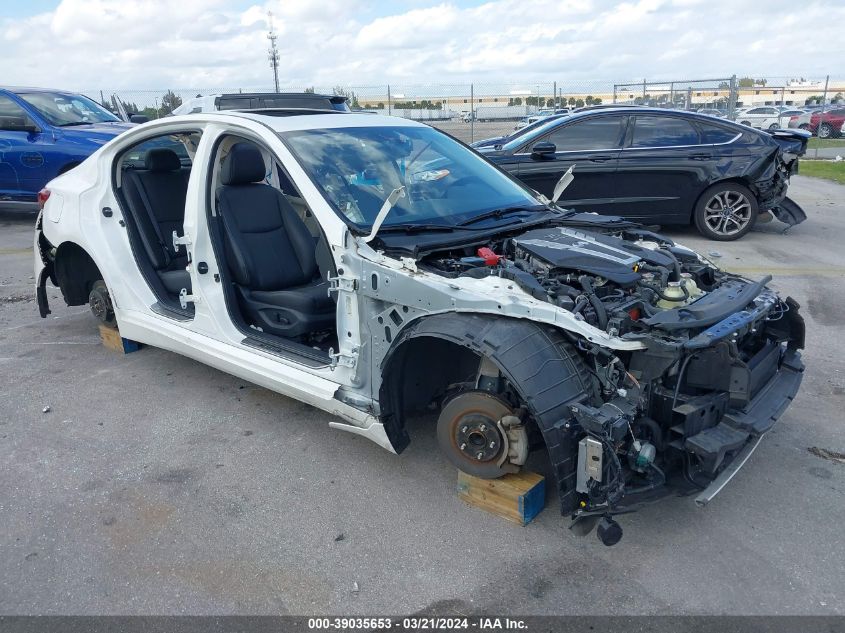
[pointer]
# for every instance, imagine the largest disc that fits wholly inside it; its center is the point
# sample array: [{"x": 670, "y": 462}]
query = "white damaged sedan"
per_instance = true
[{"x": 373, "y": 267}]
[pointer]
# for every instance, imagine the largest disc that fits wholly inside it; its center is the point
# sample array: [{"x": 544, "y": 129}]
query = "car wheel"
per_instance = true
[
  {"x": 726, "y": 212},
  {"x": 804, "y": 126},
  {"x": 100, "y": 303},
  {"x": 748, "y": 123},
  {"x": 773, "y": 126},
  {"x": 825, "y": 130}
]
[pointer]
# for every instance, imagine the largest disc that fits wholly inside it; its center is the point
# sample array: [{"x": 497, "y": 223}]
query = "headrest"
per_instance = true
[
  {"x": 243, "y": 165},
  {"x": 162, "y": 160}
]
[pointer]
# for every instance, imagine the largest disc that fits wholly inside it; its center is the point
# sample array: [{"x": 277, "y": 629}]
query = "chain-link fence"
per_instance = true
[{"x": 473, "y": 111}]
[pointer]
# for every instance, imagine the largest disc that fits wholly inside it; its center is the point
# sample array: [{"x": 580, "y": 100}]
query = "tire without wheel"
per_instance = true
[{"x": 726, "y": 212}]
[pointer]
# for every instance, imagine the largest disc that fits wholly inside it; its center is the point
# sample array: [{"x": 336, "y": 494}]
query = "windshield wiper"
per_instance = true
[
  {"x": 500, "y": 213},
  {"x": 76, "y": 123}
]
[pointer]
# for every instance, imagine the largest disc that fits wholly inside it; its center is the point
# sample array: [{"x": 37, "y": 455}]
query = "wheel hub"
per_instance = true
[
  {"x": 478, "y": 437},
  {"x": 470, "y": 433}
]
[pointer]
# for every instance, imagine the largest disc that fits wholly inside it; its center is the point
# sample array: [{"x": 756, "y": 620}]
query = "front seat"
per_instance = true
[{"x": 269, "y": 251}]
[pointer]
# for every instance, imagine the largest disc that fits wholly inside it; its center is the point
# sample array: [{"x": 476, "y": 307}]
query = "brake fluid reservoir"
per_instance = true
[{"x": 674, "y": 296}]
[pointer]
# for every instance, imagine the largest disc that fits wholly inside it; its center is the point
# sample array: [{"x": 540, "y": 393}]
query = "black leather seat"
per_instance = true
[
  {"x": 156, "y": 196},
  {"x": 270, "y": 253}
]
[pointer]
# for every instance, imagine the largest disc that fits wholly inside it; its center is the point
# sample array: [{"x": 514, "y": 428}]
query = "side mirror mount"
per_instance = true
[
  {"x": 543, "y": 149},
  {"x": 138, "y": 118}
]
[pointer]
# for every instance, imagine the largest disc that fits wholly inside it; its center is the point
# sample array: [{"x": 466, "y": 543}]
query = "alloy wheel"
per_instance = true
[{"x": 727, "y": 212}]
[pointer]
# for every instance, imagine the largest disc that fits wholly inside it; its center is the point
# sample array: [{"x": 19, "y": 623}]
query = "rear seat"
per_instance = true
[{"x": 156, "y": 196}]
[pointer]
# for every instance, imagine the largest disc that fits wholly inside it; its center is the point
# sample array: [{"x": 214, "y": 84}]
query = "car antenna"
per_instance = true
[
  {"x": 562, "y": 184},
  {"x": 394, "y": 196}
]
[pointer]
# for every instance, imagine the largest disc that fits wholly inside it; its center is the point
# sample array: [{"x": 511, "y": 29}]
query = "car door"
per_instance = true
[
  {"x": 22, "y": 155},
  {"x": 662, "y": 169},
  {"x": 592, "y": 145}
]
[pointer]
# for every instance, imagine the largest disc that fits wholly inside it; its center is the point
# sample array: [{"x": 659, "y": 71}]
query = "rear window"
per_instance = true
[
  {"x": 663, "y": 131},
  {"x": 711, "y": 134}
]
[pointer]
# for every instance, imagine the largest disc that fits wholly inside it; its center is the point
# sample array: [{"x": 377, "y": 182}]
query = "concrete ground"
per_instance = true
[{"x": 156, "y": 485}]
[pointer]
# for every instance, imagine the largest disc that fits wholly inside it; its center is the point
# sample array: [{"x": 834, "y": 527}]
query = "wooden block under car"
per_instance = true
[
  {"x": 114, "y": 341},
  {"x": 519, "y": 497}
]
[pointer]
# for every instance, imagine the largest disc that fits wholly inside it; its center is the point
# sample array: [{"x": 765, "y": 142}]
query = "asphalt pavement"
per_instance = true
[{"x": 151, "y": 484}]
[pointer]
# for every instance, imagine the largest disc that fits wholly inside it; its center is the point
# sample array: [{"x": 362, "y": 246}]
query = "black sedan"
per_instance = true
[{"x": 661, "y": 166}]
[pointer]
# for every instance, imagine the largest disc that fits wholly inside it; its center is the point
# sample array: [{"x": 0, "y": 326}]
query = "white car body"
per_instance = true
[
  {"x": 72, "y": 215},
  {"x": 765, "y": 117},
  {"x": 450, "y": 322}
]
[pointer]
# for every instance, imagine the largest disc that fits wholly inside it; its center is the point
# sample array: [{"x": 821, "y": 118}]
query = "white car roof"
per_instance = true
[{"x": 305, "y": 121}]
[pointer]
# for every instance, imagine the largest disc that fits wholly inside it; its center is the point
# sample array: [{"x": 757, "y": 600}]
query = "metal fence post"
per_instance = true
[
  {"x": 554, "y": 97},
  {"x": 472, "y": 113},
  {"x": 732, "y": 99},
  {"x": 389, "y": 105},
  {"x": 644, "y": 88},
  {"x": 821, "y": 114},
  {"x": 614, "y": 93}
]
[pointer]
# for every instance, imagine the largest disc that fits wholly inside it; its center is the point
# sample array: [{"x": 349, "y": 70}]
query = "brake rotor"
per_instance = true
[
  {"x": 100, "y": 303},
  {"x": 469, "y": 433}
]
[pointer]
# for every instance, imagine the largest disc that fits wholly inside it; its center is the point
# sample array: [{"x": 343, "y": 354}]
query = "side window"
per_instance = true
[
  {"x": 184, "y": 145},
  {"x": 756, "y": 111},
  {"x": 660, "y": 131},
  {"x": 11, "y": 114},
  {"x": 711, "y": 134},
  {"x": 593, "y": 134}
]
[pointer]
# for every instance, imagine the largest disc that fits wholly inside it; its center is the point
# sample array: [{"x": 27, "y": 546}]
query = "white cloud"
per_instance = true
[{"x": 203, "y": 44}]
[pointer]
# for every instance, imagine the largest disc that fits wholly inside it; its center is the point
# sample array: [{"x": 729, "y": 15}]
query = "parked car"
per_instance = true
[
  {"x": 827, "y": 124},
  {"x": 261, "y": 101},
  {"x": 713, "y": 112},
  {"x": 661, "y": 167},
  {"x": 800, "y": 121},
  {"x": 762, "y": 118},
  {"x": 500, "y": 140},
  {"x": 542, "y": 115},
  {"x": 372, "y": 267},
  {"x": 44, "y": 133}
]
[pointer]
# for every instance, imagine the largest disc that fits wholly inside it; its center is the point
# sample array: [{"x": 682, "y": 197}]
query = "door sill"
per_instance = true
[{"x": 308, "y": 356}]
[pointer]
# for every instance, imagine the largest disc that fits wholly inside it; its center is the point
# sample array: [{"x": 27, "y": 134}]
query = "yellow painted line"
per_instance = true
[
  {"x": 15, "y": 251},
  {"x": 791, "y": 271}
]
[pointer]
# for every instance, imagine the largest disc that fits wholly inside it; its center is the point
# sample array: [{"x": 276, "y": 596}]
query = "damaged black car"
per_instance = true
[{"x": 664, "y": 167}]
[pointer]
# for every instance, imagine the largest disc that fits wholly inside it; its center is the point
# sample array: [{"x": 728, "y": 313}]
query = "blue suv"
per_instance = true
[{"x": 44, "y": 133}]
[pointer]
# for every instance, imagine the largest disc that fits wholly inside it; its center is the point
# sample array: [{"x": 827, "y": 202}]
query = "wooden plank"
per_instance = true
[
  {"x": 518, "y": 497},
  {"x": 112, "y": 339}
]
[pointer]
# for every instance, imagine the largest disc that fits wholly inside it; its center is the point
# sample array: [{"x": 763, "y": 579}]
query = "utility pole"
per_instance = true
[{"x": 273, "y": 52}]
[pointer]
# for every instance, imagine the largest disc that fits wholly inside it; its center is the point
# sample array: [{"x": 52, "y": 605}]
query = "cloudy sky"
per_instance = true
[{"x": 120, "y": 44}]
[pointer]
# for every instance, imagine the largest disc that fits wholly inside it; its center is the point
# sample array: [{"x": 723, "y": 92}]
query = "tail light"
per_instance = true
[
  {"x": 43, "y": 196},
  {"x": 794, "y": 117}
]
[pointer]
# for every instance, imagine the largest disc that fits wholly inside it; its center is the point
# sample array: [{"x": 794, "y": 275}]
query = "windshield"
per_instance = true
[
  {"x": 63, "y": 109},
  {"x": 445, "y": 183}
]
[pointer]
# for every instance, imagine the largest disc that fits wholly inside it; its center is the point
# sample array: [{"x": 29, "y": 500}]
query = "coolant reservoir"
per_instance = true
[
  {"x": 675, "y": 296},
  {"x": 692, "y": 288}
]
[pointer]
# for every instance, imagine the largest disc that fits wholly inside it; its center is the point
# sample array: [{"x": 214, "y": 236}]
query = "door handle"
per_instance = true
[
  {"x": 700, "y": 157},
  {"x": 600, "y": 159}
]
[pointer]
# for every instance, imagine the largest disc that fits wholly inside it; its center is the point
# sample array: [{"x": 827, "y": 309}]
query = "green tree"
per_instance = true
[
  {"x": 550, "y": 102},
  {"x": 579, "y": 103},
  {"x": 380, "y": 106},
  {"x": 310, "y": 90},
  {"x": 750, "y": 82},
  {"x": 169, "y": 102},
  {"x": 571, "y": 101}
]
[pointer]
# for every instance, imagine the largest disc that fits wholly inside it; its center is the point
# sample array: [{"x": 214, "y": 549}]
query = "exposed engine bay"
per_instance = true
[{"x": 720, "y": 363}]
